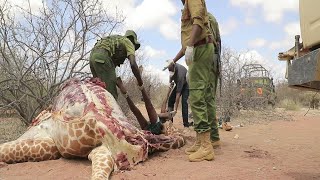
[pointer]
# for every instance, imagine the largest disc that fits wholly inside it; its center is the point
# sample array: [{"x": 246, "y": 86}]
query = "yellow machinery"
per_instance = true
[{"x": 303, "y": 60}]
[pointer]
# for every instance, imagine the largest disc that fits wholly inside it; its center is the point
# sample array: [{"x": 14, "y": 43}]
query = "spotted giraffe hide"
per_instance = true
[{"x": 85, "y": 116}]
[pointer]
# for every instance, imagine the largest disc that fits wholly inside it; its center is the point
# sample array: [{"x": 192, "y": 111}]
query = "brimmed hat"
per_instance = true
[{"x": 135, "y": 39}]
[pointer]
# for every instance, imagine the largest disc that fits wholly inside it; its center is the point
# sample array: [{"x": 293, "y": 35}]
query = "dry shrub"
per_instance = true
[
  {"x": 229, "y": 99},
  {"x": 11, "y": 129},
  {"x": 294, "y": 99},
  {"x": 40, "y": 50},
  {"x": 290, "y": 105}
]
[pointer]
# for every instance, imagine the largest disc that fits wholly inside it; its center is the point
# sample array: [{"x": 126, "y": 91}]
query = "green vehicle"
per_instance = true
[{"x": 256, "y": 88}]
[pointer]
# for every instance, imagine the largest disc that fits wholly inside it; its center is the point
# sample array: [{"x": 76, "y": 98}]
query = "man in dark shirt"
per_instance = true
[{"x": 178, "y": 74}]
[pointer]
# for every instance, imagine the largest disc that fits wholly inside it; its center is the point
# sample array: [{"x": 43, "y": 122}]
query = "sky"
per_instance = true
[{"x": 259, "y": 28}]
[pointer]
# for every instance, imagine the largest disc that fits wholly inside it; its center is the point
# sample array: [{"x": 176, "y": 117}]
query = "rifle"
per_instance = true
[{"x": 218, "y": 73}]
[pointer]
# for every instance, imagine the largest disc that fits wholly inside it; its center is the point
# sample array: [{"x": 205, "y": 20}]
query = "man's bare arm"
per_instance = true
[
  {"x": 135, "y": 69},
  {"x": 196, "y": 32},
  {"x": 165, "y": 101},
  {"x": 176, "y": 105},
  {"x": 179, "y": 55},
  {"x": 137, "y": 113}
]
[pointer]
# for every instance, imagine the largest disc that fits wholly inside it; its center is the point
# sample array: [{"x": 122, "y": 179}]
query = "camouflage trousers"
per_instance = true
[
  {"x": 202, "y": 86},
  {"x": 101, "y": 66}
]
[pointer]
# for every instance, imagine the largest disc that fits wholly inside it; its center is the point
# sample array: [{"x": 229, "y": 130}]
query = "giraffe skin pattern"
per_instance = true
[{"x": 85, "y": 121}]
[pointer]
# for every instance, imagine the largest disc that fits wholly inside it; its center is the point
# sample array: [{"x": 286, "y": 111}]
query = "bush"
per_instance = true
[
  {"x": 40, "y": 50},
  {"x": 296, "y": 98}
]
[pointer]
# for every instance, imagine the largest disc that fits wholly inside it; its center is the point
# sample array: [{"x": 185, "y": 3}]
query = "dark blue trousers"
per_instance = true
[{"x": 185, "y": 96}]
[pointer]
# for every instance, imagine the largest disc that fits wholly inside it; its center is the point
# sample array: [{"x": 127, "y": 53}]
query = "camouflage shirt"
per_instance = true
[
  {"x": 119, "y": 47},
  {"x": 214, "y": 28}
]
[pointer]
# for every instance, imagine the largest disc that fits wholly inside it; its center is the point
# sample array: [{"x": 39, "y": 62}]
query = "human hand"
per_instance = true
[
  {"x": 172, "y": 114},
  {"x": 169, "y": 63},
  {"x": 119, "y": 81},
  {"x": 189, "y": 55},
  {"x": 172, "y": 84}
]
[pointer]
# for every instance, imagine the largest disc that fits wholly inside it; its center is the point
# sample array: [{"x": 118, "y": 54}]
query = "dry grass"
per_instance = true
[
  {"x": 290, "y": 105},
  {"x": 247, "y": 117}
]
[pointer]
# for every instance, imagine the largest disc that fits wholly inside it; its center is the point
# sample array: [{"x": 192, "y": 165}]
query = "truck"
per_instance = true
[
  {"x": 256, "y": 87},
  {"x": 303, "y": 60}
]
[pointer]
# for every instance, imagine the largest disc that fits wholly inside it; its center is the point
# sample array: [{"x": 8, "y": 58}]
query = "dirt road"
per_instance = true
[{"x": 276, "y": 150}]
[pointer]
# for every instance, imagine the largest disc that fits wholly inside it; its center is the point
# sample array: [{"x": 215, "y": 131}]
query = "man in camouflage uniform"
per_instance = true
[
  {"x": 199, "y": 50},
  {"x": 110, "y": 52},
  {"x": 214, "y": 30}
]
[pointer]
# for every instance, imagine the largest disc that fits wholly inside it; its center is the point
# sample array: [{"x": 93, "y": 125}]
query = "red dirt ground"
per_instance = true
[{"x": 276, "y": 150}]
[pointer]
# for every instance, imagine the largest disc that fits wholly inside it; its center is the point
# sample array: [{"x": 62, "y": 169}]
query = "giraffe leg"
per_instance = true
[
  {"x": 102, "y": 163},
  {"x": 28, "y": 150}
]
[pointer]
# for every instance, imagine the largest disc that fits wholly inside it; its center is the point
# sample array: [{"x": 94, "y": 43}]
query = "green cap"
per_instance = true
[{"x": 135, "y": 39}]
